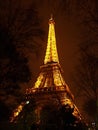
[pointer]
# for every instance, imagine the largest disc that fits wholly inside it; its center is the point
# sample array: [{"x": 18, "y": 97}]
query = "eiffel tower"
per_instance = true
[{"x": 50, "y": 90}]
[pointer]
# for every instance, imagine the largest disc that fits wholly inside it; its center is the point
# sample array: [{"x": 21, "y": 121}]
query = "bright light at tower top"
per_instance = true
[
  {"x": 51, "y": 51},
  {"x": 51, "y": 20}
]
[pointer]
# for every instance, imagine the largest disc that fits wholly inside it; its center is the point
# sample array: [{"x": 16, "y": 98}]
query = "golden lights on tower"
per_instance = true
[
  {"x": 51, "y": 62},
  {"x": 38, "y": 82},
  {"x": 51, "y": 51},
  {"x": 17, "y": 111},
  {"x": 50, "y": 78}
]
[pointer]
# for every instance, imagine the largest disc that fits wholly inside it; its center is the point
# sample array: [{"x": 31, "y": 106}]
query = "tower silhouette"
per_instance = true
[{"x": 50, "y": 93}]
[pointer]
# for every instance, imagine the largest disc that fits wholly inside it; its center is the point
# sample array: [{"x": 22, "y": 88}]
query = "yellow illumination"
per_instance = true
[
  {"x": 72, "y": 105},
  {"x": 76, "y": 112},
  {"x": 58, "y": 80},
  {"x": 39, "y": 80},
  {"x": 17, "y": 111},
  {"x": 46, "y": 82},
  {"x": 51, "y": 51}
]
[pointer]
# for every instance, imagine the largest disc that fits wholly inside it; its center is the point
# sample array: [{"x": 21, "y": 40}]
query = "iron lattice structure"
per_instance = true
[{"x": 50, "y": 86}]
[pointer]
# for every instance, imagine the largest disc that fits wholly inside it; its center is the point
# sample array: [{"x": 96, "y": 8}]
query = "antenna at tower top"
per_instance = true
[
  {"x": 51, "y": 20},
  {"x": 51, "y": 17}
]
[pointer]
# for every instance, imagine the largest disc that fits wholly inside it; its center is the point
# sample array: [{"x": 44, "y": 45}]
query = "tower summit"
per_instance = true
[
  {"x": 50, "y": 88},
  {"x": 51, "y": 51}
]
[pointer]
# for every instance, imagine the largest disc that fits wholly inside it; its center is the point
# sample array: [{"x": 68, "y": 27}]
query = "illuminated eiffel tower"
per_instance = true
[{"x": 50, "y": 88}]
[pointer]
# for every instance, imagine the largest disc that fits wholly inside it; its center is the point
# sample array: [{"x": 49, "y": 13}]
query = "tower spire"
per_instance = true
[{"x": 51, "y": 51}]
